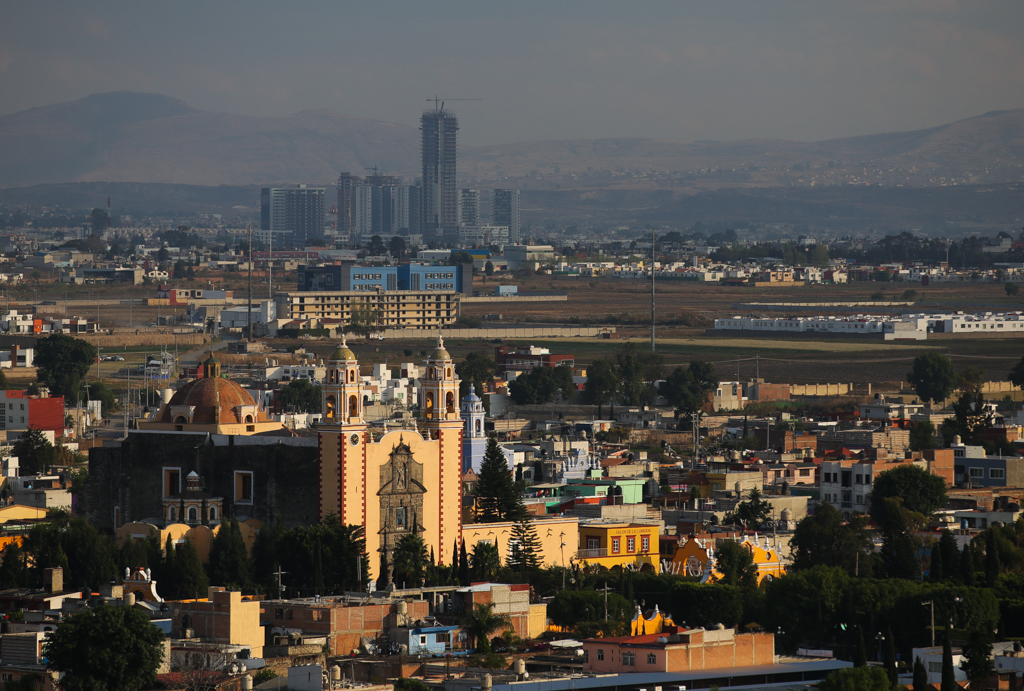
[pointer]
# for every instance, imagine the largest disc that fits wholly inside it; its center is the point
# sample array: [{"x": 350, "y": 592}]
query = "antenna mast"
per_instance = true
[{"x": 652, "y": 290}]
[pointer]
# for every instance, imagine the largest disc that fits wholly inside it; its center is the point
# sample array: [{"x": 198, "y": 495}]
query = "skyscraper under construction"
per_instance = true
[{"x": 440, "y": 199}]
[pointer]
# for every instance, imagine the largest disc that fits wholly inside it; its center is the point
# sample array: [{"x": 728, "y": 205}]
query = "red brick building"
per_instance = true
[{"x": 527, "y": 358}]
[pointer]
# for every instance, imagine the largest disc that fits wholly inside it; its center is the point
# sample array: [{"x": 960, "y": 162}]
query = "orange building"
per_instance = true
[
  {"x": 678, "y": 650},
  {"x": 408, "y": 481},
  {"x": 695, "y": 558}
]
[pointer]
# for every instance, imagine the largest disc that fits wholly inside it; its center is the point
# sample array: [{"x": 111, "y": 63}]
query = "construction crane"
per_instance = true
[{"x": 439, "y": 102}]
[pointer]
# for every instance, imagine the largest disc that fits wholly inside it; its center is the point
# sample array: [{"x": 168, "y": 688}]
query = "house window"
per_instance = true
[
  {"x": 279, "y": 613},
  {"x": 996, "y": 473},
  {"x": 645, "y": 544},
  {"x": 318, "y": 615},
  {"x": 193, "y": 515},
  {"x": 423, "y": 640},
  {"x": 978, "y": 473},
  {"x": 243, "y": 487},
  {"x": 652, "y": 659},
  {"x": 172, "y": 481},
  {"x": 290, "y": 614},
  {"x": 600, "y": 653},
  {"x": 593, "y": 543},
  {"x": 615, "y": 545},
  {"x": 400, "y": 518},
  {"x": 630, "y": 544},
  {"x": 628, "y": 660}
]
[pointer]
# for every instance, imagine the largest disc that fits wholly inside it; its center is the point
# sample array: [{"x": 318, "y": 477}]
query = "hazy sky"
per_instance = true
[{"x": 546, "y": 70}]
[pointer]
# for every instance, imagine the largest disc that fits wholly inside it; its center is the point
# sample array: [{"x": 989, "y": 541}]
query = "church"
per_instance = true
[{"x": 401, "y": 482}]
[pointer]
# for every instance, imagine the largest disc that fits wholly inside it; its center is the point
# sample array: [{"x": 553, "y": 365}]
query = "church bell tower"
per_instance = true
[{"x": 343, "y": 438}]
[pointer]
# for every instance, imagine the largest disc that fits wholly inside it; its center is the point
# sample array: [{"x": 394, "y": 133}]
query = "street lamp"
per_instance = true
[{"x": 879, "y": 638}]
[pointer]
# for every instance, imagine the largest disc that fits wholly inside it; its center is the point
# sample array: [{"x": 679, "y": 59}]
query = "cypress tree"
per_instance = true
[
  {"x": 948, "y": 675},
  {"x": 192, "y": 582},
  {"x": 967, "y": 565},
  {"x": 950, "y": 556},
  {"x": 463, "y": 564},
  {"x": 992, "y": 565},
  {"x": 229, "y": 559},
  {"x": 890, "y": 655},
  {"x": 318, "y": 569},
  {"x": 936, "y": 570},
  {"x": 496, "y": 494},
  {"x": 920, "y": 676},
  {"x": 860, "y": 654}
]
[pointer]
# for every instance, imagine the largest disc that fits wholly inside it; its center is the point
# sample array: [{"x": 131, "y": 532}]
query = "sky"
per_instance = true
[{"x": 545, "y": 70}]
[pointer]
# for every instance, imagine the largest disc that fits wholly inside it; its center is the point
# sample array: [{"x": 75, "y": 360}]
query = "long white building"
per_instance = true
[{"x": 890, "y": 327}]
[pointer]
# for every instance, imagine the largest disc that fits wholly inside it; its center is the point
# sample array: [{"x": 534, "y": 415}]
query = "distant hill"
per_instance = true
[
  {"x": 149, "y": 138},
  {"x": 132, "y": 137}
]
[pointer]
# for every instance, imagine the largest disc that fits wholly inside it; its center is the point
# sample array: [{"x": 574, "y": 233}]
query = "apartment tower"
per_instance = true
[{"x": 440, "y": 200}]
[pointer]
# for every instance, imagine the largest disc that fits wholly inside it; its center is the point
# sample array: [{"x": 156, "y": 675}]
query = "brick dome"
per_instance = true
[{"x": 205, "y": 396}]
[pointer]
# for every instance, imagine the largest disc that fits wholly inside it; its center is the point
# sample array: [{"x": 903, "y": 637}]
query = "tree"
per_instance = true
[
  {"x": 481, "y": 621},
  {"x": 543, "y": 385},
  {"x": 301, "y": 396},
  {"x": 62, "y": 362},
  {"x": 736, "y": 564},
  {"x": 98, "y": 391},
  {"x": 525, "y": 549},
  {"x": 14, "y": 568},
  {"x": 922, "y": 436},
  {"x": 638, "y": 370},
  {"x": 3, "y": 381},
  {"x": 899, "y": 544},
  {"x": 917, "y": 490},
  {"x": 1011, "y": 289},
  {"x": 1016, "y": 375},
  {"x": 754, "y": 512},
  {"x": 474, "y": 370},
  {"x": 602, "y": 384},
  {"x": 486, "y": 561},
  {"x": 949, "y": 555},
  {"x": 948, "y": 682},
  {"x": 689, "y": 391},
  {"x": 463, "y": 564},
  {"x": 932, "y": 377},
  {"x": 889, "y": 656},
  {"x": 977, "y": 658},
  {"x": 376, "y": 246},
  {"x": 497, "y": 498},
  {"x": 396, "y": 247},
  {"x": 489, "y": 268},
  {"x": 920, "y": 675},
  {"x": 570, "y": 608},
  {"x": 34, "y": 452},
  {"x": 229, "y": 558},
  {"x": 190, "y": 578},
  {"x": 461, "y": 257},
  {"x": 822, "y": 538},
  {"x": 860, "y": 656},
  {"x": 106, "y": 649},
  {"x": 856, "y": 679},
  {"x": 410, "y": 558}
]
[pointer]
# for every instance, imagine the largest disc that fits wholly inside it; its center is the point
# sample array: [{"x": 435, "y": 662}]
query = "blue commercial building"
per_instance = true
[{"x": 403, "y": 277}]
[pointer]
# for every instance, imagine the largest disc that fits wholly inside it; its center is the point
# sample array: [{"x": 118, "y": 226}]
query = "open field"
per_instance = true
[{"x": 684, "y": 310}]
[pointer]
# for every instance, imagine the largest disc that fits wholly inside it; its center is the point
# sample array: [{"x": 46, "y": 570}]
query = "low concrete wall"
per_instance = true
[
  {"x": 143, "y": 338},
  {"x": 516, "y": 298},
  {"x": 503, "y": 332},
  {"x": 819, "y": 389}
]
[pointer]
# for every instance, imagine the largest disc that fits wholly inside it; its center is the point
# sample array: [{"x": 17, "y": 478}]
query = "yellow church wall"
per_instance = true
[
  {"x": 551, "y": 532},
  {"x": 200, "y": 536},
  {"x": 20, "y": 512}
]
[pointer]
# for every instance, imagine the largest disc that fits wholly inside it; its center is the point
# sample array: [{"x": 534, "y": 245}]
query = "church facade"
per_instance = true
[{"x": 404, "y": 482}]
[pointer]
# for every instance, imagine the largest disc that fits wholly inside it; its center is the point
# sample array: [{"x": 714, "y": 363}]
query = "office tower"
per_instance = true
[
  {"x": 415, "y": 209},
  {"x": 298, "y": 211},
  {"x": 469, "y": 207},
  {"x": 505, "y": 212},
  {"x": 346, "y": 203},
  {"x": 439, "y": 213}
]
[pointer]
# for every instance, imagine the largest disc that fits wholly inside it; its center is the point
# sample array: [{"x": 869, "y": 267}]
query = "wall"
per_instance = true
[
  {"x": 551, "y": 532},
  {"x": 819, "y": 389},
  {"x": 504, "y": 332},
  {"x": 130, "y": 476}
]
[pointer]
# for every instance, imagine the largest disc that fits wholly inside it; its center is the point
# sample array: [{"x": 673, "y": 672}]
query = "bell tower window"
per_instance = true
[{"x": 329, "y": 407}]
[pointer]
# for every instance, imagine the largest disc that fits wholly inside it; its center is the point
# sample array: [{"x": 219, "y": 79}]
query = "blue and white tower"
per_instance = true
[{"x": 474, "y": 440}]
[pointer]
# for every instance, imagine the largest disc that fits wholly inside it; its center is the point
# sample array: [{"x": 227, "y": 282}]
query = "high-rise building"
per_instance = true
[
  {"x": 346, "y": 203},
  {"x": 469, "y": 207},
  {"x": 296, "y": 212},
  {"x": 440, "y": 213},
  {"x": 505, "y": 212}
]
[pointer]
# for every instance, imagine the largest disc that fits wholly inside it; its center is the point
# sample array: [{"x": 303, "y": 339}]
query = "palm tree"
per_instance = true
[
  {"x": 481, "y": 622},
  {"x": 486, "y": 561},
  {"x": 410, "y": 559}
]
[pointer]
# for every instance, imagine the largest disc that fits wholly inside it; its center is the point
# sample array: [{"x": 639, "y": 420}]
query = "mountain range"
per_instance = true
[{"x": 150, "y": 138}]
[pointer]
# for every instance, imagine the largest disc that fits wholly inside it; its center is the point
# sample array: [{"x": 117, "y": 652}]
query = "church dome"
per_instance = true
[
  {"x": 440, "y": 353},
  {"x": 342, "y": 352},
  {"x": 213, "y": 401},
  {"x": 471, "y": 397}
]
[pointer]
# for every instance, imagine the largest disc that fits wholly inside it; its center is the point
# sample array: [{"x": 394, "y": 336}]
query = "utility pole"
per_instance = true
[
  {"x": 652, "y": 290},
  {"x": 279, "y": 573},
  {"x": 248, "y": 316},
  {"x": 605, "y": 589}
]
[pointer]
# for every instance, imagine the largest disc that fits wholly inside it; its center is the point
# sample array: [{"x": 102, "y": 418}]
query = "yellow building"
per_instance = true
[
  {"x": 212, "y": 404},
  {"x": 552, "y": 533},
  {"x": 632, "y": 545},
  {"x": 224, "y": 617},
  {"x": 394, "y": 309},
  {"x": 696, "y": 558},
  {"x": 406, "y": 482}
]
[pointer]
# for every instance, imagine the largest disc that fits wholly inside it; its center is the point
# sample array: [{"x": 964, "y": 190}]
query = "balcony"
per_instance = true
[{"x": 592, "y": 553}]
